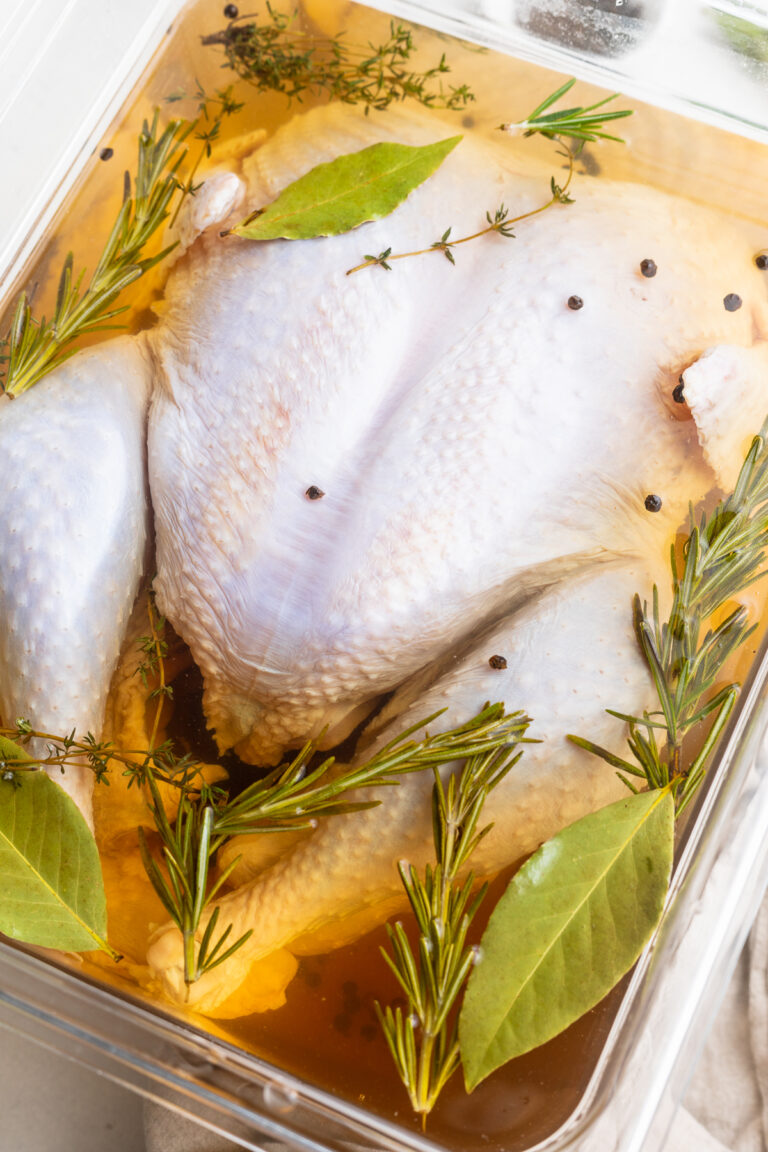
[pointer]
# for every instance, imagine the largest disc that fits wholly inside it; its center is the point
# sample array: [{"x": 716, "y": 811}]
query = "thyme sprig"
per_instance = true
[
  {"x": 71, "y": 751},
  {"x": 500, "y": 222},
  {"x": 579, "y": 123},
  {"x": 276, "y": 56},
  {"x": 423, "y": 1038},
  {"x": 686, "y": 654}
]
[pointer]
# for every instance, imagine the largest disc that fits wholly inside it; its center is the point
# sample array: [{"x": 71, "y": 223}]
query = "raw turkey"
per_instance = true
[{"x": 484, "y": 437}]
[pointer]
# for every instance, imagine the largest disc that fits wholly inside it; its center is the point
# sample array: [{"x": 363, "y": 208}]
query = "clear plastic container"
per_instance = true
[
  {"x": 705, "y": 59},
  {"x": 660, "y": 1023}
]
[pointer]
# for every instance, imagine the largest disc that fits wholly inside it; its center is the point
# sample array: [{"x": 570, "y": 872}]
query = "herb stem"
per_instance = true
[
  {"x": 501, "y": 222},
  {"x": 275, "y": 56},
  {"x": 159, "y": 662}
]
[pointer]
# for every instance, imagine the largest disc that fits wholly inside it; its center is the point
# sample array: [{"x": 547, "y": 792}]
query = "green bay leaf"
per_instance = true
[
  {"x": 52, "y": 892},
  {"x": 348, "y": 191},
  {"x": 573, "y": 920},
  {"x": 11, "y": 753}
]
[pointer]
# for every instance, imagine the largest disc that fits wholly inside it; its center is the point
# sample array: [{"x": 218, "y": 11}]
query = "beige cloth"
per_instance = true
[{"x": 726, "y": 1108}]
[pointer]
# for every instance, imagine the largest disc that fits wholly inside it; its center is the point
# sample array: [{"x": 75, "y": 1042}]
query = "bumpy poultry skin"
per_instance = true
[
  {"x": 570, "y": 654},
  {"x": 475, "y": 437},
  {"x": 74, "y": 522}
]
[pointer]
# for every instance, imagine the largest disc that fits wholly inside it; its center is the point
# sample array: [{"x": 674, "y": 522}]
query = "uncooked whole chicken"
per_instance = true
[{"x": 370, "y": 482}]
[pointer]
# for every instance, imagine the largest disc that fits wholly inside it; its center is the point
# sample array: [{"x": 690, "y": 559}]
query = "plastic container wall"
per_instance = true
[
  {"x": 65, "y": 69},
  {"x": 704, "y": 59},
  {"x": 101, "y": 49}
]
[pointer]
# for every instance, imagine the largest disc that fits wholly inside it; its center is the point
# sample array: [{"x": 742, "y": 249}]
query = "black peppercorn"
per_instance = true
[
  {"x": 762, "y": 261},
  {"x": 106, "y": 153},
  {"x": 231, "y": 12},
  {"x": 653, "y": 503},
  {"x": 677, "y": 392},
  {"x": 575, "y": 302},
  {"x": 648, "y": 268},
  {"x": 497, "y": 662},
  {"x": 732, "y": 302},
  {"x": 314, "y": 493}
]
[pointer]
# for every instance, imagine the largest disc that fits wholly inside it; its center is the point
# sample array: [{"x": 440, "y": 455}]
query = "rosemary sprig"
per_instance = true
[
  {"x": 288, "y": 799},
  {"x": 423, "y": 1038},
  {"x": 579, "y": 124},
  {"x": 723, "y": 555},
  {"x": 185, "y": 888},
  {"x": 275, "y": 56},
  {"x": 32, "y": 347}
]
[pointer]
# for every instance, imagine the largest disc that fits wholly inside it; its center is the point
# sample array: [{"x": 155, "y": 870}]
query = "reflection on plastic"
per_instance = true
[{"x": 599, "y": 27}]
